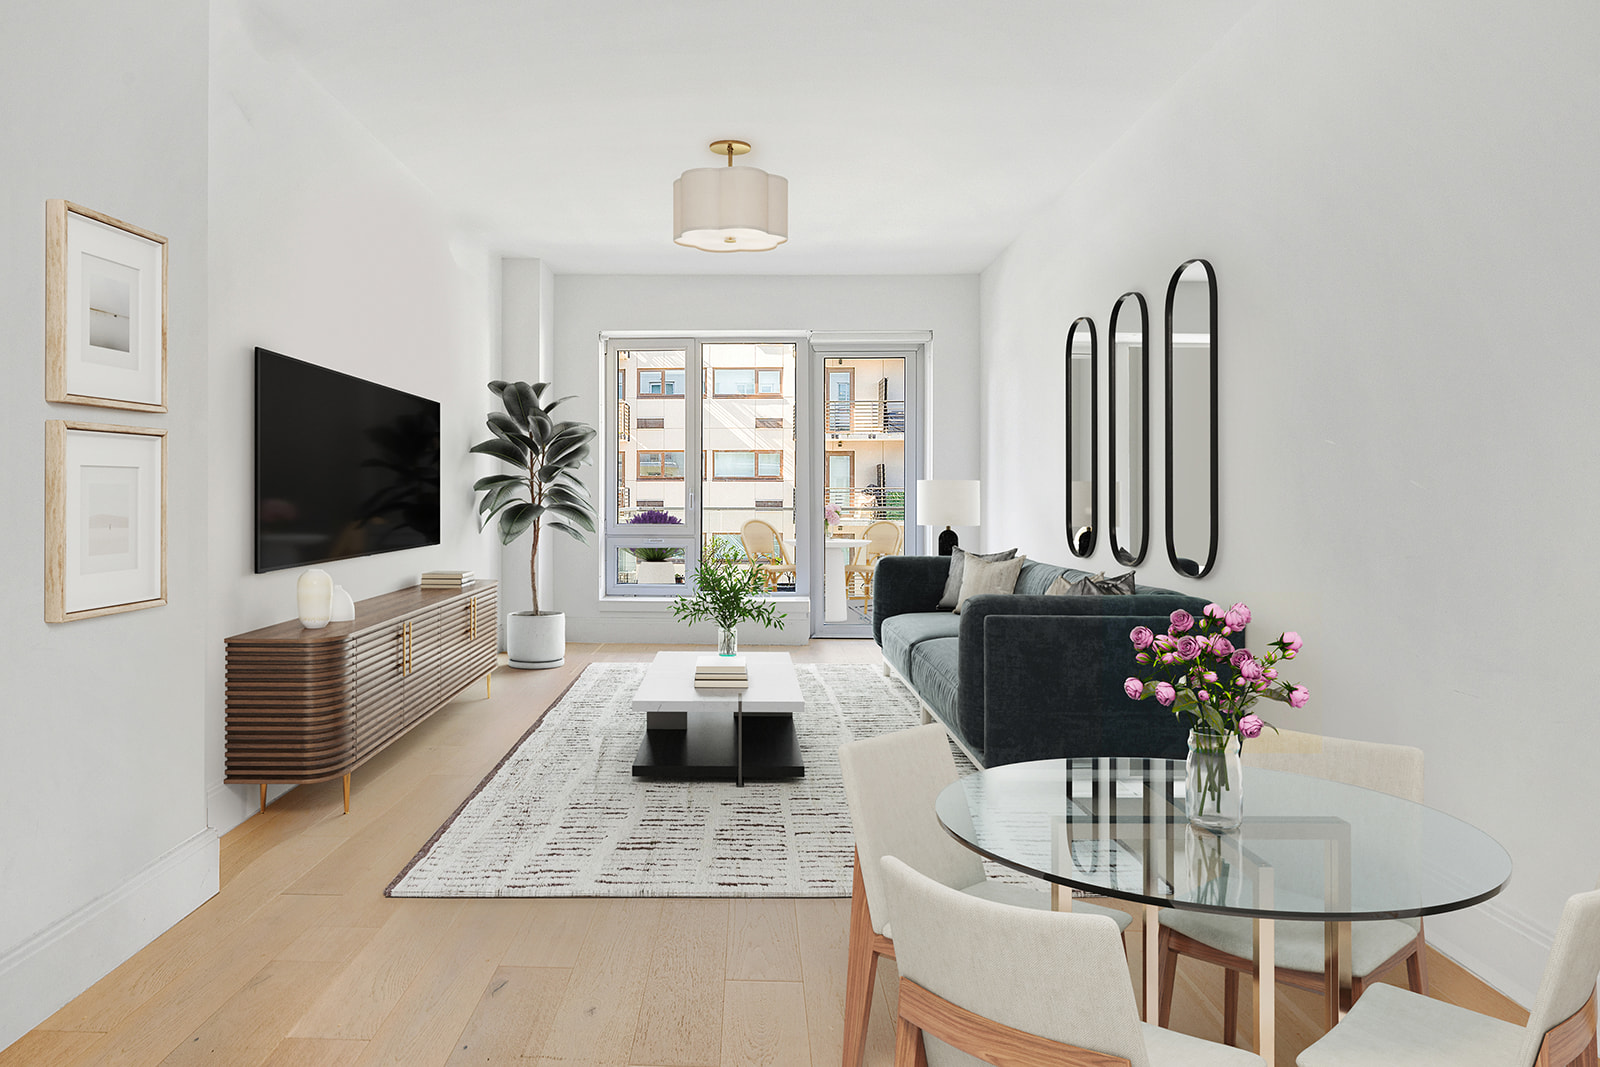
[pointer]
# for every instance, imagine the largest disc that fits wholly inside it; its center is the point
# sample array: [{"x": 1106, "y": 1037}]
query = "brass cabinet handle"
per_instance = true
[{"x": 472, "y": 618}]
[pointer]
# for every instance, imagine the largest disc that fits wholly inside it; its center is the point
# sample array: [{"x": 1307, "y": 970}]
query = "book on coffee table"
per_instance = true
[
  {"x": 722, "y": 683},
  {"x": 721, "y": 665}
]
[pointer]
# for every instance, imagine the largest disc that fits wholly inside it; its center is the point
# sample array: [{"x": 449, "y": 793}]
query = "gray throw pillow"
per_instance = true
[
  {"x": 952, "y": 584},
  {"x": 1094, "y": 585},
  {"x": 982, "y": 576}
]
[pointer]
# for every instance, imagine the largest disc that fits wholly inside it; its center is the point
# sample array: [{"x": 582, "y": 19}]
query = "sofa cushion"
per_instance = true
[
  {"x": 935, "y": 675},
  {"x": 1036, "y": 577},
  {"x": 958, "y": 559},
  {"x": 984, "y": 576},
  {"x": 902, "y": 633},
  {"x": 1094, "y": 585}
]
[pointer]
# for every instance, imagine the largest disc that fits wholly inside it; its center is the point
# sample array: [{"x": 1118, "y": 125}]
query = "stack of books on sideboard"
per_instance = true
[
  {"x": 447, "y": 579},
  {"x": 721, "y": 672}
]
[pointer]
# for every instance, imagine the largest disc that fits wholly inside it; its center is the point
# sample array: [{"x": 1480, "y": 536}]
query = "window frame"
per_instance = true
[
  {"x": 638, "y": 464},
  {"x": 638, "y": 382},
  {"x": 756, "y": 373},
  {"x": 755, "y": 454}
]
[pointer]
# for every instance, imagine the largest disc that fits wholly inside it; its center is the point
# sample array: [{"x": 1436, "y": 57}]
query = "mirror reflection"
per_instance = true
[
  {"x": 1128, "y": 374},
  {"x": 1192, "y": 419},
  {"x": 1083, "y": 433}
]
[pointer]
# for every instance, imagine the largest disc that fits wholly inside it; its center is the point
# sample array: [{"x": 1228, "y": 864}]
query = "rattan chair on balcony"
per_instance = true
[
  {"x": 884, "y": 538},
  {"x": 761, "y": 542}
]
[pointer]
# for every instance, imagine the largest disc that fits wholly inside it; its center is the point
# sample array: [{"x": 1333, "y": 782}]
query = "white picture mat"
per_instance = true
[
  {"x": 86, "y": 590},
  {"x": 114, "y": 378}
]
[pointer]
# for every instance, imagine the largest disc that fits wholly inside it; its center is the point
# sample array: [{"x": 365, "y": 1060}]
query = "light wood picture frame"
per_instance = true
[
  {"x": 105, "y": 519},
  {"x": 105, "y": 302}
]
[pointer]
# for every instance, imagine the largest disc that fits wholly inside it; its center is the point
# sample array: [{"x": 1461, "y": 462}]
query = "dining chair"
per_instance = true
[
  {"x": 890, "y": 784},
  {"x": 761, "y": 542},
  {"x": 1391, "y": 1027},
  {"x": 1020, "y": 986},
  {"x": 1375, "y": 947},
  {"x": 883, "y": 539}
]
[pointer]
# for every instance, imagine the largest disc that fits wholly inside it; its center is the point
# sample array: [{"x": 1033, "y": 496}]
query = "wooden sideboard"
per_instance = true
[{"x": 311, "y": 705}]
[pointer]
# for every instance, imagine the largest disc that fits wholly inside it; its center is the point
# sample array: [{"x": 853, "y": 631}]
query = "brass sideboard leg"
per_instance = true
[
  {"x": 263, "y": 798},
  {"x": 347, "y": 794},
  {"x": 488, "y": 685}
]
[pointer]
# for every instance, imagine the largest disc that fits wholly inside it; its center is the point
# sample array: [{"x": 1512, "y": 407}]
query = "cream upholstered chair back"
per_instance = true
[
  {"x": 890, "y": 784},
  {"x": 760, "y": 539},
  {"x": 1057, "y": 975},
  {"x": 1569, "y": 973},
  {"x": 1392, "y": 769}
]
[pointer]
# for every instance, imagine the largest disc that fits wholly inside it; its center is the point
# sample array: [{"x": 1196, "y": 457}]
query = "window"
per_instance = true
[
  {"x": 661, "y": 466},
  {"x": 747, "y": 381},
  {"x": 732, "y": 466},
  {"x": 661, "y": 382}
]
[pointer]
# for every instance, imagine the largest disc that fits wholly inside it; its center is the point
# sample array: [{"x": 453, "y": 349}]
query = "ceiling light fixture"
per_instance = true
[{"x": 730, "y": 209}]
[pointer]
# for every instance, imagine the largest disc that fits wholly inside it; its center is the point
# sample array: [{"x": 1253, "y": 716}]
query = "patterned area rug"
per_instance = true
[{"x": 563, "y": 816}]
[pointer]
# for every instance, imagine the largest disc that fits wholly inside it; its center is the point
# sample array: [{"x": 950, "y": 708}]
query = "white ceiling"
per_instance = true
[{"x": 918, "y": 136}]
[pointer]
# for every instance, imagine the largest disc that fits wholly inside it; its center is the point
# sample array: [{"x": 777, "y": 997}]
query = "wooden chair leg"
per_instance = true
[
  {"x": 1169, "y": 975},
  {"x": 909, "y": 1050},
  {"x": 1230, "y": 1007},
  {"x": 860, "y": 974}
]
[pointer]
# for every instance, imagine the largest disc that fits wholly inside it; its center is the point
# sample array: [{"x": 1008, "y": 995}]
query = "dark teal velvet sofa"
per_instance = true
[{"x": 1026, "y": 676}]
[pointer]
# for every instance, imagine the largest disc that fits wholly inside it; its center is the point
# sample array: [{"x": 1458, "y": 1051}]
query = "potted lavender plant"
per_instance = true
[{"x": 653, "y": 565}]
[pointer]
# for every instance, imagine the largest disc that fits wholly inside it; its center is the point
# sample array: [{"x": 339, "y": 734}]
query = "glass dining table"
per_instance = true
[{"x": 1308, "y": 849}]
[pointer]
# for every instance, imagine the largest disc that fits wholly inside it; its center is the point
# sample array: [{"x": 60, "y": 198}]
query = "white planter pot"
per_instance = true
[
  {"x": 536, "y": 641},
  {"x": 657, "y": 573}
]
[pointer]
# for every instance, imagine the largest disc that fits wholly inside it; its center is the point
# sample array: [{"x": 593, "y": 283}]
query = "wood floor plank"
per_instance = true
[
  {"x": 515, "y": 1013},
  {"x": 315, "y": 1052},
  {"x": 424, "y": 1024},
  {"x": 764, "y": 1025},
  {"x": 328, "y": 944},
  {"x": 680, "y": 1019},
  {"x": 51, "y": 1048},
  {"x": 251, "y": 1023},
  {"x": 824, "y": 936},
  {"x": 160, "y": 1024},
  {"x": 369, "y": 986},
  {"x": 554, "y": 934},
  {"x": 600, "y": 1009},
  {"x": 762, "y": 942},
  {"x": 335, "y": 875}
]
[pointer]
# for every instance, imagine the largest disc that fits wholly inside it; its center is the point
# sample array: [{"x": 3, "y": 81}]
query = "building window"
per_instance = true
[
  {"x": 661, "y": 466},
  {"x": 741, "y": 466},
  {"x": 661, "y": 382},
  {"x": 747, "y": 382},
  {"x": 651, "y": 424}
]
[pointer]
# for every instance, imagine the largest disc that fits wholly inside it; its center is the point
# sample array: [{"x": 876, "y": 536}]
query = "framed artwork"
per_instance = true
[
  {"x": 105, "y": 311},
  {"x": 105, "y": 519}
]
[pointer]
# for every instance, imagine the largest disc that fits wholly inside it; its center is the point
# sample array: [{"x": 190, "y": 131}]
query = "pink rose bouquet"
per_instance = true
[
  {"x": 830, "y": 514},
  {"x": 1198, "y": 670}
]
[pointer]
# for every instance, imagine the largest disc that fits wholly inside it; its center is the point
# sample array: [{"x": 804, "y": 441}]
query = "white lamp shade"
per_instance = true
[
  {"x": 730, "y": 209},
  {"x": 948, "y": 502}
]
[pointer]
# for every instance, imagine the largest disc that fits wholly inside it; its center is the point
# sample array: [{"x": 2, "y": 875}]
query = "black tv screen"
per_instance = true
[{"x": 344, "y": 467}]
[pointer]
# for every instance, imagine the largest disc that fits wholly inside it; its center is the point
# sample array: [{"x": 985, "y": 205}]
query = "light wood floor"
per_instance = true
[{"x": 301, "y": 960}]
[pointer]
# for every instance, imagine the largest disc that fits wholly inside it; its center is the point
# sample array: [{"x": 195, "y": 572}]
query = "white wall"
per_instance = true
[
  {"x": 527, "y": 316},
  {"x": 103, "y": 837},
  {"x": 324, "y": 248},
  {"x": 1399, "y": 200},
  {"x": 586, "y": 305}
]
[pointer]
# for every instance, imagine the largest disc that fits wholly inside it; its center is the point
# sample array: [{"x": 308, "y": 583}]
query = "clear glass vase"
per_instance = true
[
  {"x": 1214, "y": 788},
  {"x": 727, "y": 641}
]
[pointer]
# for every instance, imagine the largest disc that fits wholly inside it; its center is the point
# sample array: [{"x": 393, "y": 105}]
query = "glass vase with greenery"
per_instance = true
[{"x": 728, "y": 589}]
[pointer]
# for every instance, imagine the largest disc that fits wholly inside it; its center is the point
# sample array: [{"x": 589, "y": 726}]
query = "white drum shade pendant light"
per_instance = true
[{"x": 730, "y": 209}]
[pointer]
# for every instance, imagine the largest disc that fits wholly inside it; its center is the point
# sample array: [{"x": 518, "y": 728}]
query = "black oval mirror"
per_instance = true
[
  {"x": 1192, "y": 419},
  {"x": 1083, "y": 436},
  {"x": 1128, "y": 423}
]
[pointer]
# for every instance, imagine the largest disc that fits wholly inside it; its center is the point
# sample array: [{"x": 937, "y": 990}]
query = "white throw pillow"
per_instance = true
[{"x": 989, "y": 576}]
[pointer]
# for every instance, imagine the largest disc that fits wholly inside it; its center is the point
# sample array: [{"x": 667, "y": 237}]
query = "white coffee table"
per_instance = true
[{"x": 719, "y": 734}]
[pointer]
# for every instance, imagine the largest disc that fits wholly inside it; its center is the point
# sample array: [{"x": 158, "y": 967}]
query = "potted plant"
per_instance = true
[
  {"x": 654, "y": 566},
  {"x": 728, "y": 589},
  {"x": 545, "y": 490}
]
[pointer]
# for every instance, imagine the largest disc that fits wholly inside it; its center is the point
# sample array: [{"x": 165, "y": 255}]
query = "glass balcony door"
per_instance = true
[{"x": 866, "y": 480}]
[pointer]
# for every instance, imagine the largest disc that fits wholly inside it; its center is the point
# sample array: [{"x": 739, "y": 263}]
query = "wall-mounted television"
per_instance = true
[{"x": 344, "y": 467}]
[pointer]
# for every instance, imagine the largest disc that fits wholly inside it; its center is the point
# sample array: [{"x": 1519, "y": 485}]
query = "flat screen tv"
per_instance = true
[{"x": 344, "y": 467}]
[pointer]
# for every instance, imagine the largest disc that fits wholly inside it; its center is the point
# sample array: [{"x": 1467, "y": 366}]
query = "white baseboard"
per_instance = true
[
  {"x": 619, "y": 628},
  {"x": 47, "y": 970},
  {"x": 229, "y": 805},
  {"x": 1502, "y": 946}
]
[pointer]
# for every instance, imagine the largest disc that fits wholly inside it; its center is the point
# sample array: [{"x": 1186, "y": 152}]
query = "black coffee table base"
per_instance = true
[{"x": 708, "y": 749}]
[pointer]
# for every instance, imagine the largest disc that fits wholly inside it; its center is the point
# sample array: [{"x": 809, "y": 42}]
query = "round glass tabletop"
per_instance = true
[{"x": 1308, "y": 848}]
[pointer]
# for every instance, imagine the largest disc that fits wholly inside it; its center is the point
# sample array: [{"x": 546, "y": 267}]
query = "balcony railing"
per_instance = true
[{"x": 866, "y": 416}]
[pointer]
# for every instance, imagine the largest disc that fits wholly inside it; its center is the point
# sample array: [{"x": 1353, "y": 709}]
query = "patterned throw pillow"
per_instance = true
[
  {"x": 952, "y": 584},
  {"x": 989, "y": 576},
  {"x": 1094, "y": 585}
]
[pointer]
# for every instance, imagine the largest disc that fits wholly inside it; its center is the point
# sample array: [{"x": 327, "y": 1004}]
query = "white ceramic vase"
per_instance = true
[
  {"x": 344, "y": 607},
  {"x": 314, "y": 593},
  {"x": 537, "y": 641}
]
